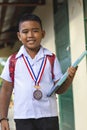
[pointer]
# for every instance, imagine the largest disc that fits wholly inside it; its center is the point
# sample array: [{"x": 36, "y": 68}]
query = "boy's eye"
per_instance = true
[
  {"x": 27, "y": 31},
  {"x": 24, "y": 31},
  {"x": 35, "y": 30}
]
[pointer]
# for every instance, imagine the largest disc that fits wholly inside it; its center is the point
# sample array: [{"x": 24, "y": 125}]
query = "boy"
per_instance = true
[{"x": 33, "y": 79}]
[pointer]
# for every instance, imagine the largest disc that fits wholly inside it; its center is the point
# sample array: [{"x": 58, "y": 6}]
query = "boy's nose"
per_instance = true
[{"x": 30, "y": 34}]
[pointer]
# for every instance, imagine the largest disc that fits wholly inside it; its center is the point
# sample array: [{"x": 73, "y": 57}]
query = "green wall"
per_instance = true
[{"x": 85, "y": 19}]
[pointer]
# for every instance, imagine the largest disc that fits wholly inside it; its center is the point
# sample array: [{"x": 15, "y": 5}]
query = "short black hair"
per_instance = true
[{"x": 29, "y": 17}]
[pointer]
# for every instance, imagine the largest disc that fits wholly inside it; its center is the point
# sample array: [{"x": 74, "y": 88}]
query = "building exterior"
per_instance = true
[{"x": 65, "y": 23}]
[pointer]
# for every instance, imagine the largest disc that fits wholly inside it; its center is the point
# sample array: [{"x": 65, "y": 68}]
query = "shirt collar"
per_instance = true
[
  {"x": 42, "y": 52},
  {"x": 22, "y": 51}
]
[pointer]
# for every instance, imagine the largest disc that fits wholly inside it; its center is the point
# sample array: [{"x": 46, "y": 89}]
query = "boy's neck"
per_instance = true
[{"x": 33, "y": 52}]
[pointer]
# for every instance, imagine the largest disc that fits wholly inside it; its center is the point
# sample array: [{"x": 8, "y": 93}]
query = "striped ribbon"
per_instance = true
[{"x": 31, "y": 71}]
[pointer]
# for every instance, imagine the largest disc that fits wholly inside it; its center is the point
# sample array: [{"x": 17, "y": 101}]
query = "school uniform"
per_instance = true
[{"x": 28, "y": 73}]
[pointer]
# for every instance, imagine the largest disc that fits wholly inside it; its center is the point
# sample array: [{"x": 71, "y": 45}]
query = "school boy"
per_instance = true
[{"x": 33, "y": 79}]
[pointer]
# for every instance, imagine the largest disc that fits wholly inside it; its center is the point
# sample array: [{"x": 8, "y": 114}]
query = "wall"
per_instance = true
[
  {"x": 46, "y": 15},
  {"x": 77, "y": 41}
]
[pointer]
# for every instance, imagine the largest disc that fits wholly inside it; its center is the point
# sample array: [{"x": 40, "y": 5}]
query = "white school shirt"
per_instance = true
[{"x": 25, "y": 106}]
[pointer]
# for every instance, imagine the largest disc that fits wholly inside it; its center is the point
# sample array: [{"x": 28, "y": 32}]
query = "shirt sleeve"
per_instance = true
[
  {"x": 5, "y": 73},
  {"x": 57, "y": 70}
]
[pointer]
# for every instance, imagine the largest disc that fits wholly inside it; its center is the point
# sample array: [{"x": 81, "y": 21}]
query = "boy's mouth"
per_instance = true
[{"x": 30, "y": 41}]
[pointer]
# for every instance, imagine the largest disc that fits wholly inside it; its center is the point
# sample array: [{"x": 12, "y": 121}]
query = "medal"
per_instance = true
[{"x": 37, "y": 94}]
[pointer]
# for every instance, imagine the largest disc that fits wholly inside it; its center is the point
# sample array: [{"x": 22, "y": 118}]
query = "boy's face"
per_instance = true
[{"x": 30, "y": 34}]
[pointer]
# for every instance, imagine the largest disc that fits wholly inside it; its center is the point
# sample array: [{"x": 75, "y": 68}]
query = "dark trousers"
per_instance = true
[{"x": 49, "y": 123}]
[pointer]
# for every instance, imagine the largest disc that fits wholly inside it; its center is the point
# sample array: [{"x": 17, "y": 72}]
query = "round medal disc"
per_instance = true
[{"x": 37, "y": 94}]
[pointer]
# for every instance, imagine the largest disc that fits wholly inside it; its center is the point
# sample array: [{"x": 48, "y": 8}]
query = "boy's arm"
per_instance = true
[
  {"x": 68, "y": 82},
  {"x": 5, "y": 95}
]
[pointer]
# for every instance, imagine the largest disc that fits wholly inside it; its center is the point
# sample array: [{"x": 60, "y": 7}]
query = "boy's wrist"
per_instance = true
[{"x": 4, "y": 118}]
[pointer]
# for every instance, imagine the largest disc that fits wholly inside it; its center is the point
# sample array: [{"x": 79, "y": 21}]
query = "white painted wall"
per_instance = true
[
  {"x": 46, "y": 14},
  {"x": 77, "y": 41}
]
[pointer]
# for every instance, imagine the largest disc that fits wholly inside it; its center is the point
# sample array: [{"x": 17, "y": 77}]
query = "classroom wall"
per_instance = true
[
  {"x": 46, "y": 15},
  {"x": 77, "y": 41}
]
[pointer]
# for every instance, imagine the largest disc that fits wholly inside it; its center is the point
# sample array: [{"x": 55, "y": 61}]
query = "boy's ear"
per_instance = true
[
  {"x": 43, "y": 34},
  {"x": 18, "y": 35}
]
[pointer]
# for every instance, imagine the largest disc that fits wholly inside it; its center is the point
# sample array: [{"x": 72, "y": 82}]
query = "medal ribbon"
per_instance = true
[{"x": 30, "y": 69}]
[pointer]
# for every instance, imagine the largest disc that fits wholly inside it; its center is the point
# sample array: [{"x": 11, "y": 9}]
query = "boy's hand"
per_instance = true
[
  {"x": 5, "y": 125},
  {"x": 71, "y": 72}
]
